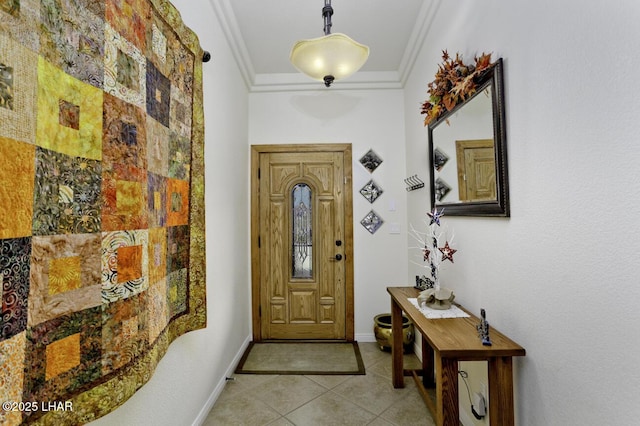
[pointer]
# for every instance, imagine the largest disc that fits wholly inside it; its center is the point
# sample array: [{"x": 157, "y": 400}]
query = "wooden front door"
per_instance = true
[
  {"x": 302, "y": 248},
  {"x": 476, "y": 170}
]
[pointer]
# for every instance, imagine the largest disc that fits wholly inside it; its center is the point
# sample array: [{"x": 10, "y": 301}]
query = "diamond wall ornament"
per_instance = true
[
  {"x": 372, "y": 222},
  {"x": 370, "y": 161},
  {"x": 371, "y": 191},
  {"x": 441, "y": 189},
  {"x": 439, "y": 159}
]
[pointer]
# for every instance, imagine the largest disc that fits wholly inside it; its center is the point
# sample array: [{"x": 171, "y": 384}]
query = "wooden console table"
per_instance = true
[{"x": 444, "y": 343}]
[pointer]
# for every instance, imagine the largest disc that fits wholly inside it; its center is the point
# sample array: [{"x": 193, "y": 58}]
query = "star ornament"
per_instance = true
[
  {"x": 447, "y": 252},
  {"x": 435, "y": 216}
]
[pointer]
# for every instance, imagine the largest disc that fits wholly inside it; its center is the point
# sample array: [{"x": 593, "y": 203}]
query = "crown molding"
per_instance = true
[
  {"x": 418, "y": 36},
  {"x": 290, "y": 82},
  {"x": 298, "y": 82},
  {"x": 231, "y": 30}
]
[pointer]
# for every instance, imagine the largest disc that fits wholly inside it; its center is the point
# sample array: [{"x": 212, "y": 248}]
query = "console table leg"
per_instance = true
[
  {"x": 428, "y": 366},
  {"x": 397, "y": 373},
  {"x": 447, "y": 392},
  {"x": 501, "y": 391}
]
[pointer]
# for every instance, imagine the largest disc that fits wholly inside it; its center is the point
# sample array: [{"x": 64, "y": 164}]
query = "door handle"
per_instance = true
[{"x": 338, "y": 257}]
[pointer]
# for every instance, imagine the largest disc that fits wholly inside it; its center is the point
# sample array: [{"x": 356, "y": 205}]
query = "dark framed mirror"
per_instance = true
[{"x": 468, "y": 152}]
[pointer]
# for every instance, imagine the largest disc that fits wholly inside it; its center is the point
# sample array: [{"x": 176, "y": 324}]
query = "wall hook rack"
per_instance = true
[{"x": 413, "y": 183}]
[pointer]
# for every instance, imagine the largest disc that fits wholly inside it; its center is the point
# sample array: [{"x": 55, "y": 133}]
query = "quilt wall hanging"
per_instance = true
[{"x": 102, "y": 259}]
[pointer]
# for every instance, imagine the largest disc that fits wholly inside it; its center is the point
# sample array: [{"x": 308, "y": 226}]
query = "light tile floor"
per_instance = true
[{"x": 285, "y": 400}]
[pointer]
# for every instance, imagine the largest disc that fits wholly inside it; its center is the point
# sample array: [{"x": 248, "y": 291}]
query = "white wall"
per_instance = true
[
  {"x": 561, "y": 275},
  {"x": 368, "y": 120},
  {"x": 191, "y": 374}
]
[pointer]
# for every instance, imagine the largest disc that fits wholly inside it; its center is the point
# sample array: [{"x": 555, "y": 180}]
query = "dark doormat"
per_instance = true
[{"x": 319, "y": 358}]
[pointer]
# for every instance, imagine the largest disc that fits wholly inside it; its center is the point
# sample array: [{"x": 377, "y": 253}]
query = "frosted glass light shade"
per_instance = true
[{"x": 334, "y": 55}]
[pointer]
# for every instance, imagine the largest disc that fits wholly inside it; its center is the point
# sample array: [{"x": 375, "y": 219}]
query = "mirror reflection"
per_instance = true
[
  {"x": 468, "y": 153},
  {"x": 464, "y": 155}
]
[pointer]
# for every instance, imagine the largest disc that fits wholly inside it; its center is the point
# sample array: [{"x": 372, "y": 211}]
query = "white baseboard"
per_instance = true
[
  {"x": 204, "y": 412},
  {"x": 370, "y": 337},
  {"x": 365, "y": 337}
]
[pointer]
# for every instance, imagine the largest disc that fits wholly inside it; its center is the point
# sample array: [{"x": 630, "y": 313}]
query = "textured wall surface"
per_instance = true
[{"x": 559, "y": 276}]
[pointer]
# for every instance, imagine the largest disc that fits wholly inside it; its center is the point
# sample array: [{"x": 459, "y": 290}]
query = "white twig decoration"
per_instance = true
[{"x": 433, "y": 251}]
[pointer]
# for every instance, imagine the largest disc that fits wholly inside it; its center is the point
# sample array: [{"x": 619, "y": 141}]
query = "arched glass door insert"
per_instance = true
[{"x": 301, "y": 232}]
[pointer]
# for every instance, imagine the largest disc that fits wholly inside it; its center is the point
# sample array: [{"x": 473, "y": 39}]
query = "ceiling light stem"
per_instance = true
[
  {"x": 328, "y": 79},
  {"x": 327, "y": 11}
]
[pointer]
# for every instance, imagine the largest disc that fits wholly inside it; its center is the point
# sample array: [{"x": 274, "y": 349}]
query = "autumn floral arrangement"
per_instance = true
[{"x": 455, "y": 82}]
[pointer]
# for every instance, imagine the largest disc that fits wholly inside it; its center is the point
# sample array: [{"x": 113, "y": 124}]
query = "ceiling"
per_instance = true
[{"x": 261, "y": 34}]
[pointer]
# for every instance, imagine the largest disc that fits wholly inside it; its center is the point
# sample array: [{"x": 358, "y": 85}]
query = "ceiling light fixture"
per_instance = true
[{"x": 329, "y": 58}]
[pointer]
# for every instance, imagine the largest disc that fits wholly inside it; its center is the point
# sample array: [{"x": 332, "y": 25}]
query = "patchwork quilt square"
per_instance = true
[
  {"x": 65, "y": 275},
  {"x": 61, "y": 356},
  {"x": 67, "y": 194},
  {"x": 18, "y": 89},
  {"x": 157, "y": 254},
  {"x": 159, "y": 43},
  {"x": 12, "y": 355},
  {"x": 125, "y": 69},
  {"x": 124, "y": 202},
  {"x": 15, "y": 256},
  {"x": 129, "y": 263},
  {"x": 55, "y": 86},
  {"x": 157, "y": 147},
  {"x": 157, "y": 200},
  {"x": 124, "y": 137},
  {"x": 177, "y": 248},
  {"x": 129, "y": 19},
  {"x": 179, "y": 157},
  {"x": 72, "y": 38},
  {"x": 123, "y": 277},
  {"x": 20, "y": 20},
  {"x": 180, "y": 119},
  {"x": 69, "y": 115},
  {"x": 160, "y": 40},
  {"x": 178, "y": 200},
  {"x": 177, "y": 292},
  {"x": 17, "y": 174},
  {"x": 158, "y": 94},
  {"x": 158, "y": 311},
  {"x": 182, "y": 80},
  {"x": 124, "y": 332}
]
